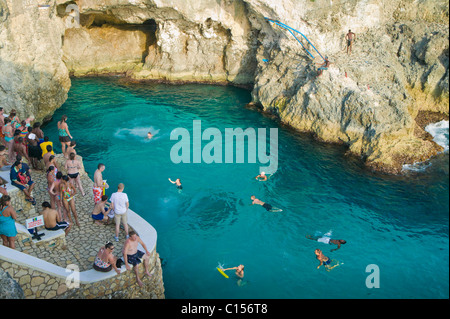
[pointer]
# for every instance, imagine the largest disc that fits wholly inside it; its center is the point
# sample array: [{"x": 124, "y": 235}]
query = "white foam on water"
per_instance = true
[
  {"x": 138, "y": 133},
  {"x": 416, "y": 167},
  {"x": 440, "y": 133}
]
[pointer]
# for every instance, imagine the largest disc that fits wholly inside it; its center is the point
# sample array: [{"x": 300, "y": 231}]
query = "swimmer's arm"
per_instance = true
[
  {"x": 321, "y": 263},
  {"x": 171, "y": 181},
  {"x": 230, "y": 268},
  {"x": 338, "y": 246}
]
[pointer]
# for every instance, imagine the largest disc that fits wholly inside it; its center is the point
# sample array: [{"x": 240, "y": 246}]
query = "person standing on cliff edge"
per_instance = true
[
  {"x": 350, "y": 37},
  {"x": 98, "y": 183}
]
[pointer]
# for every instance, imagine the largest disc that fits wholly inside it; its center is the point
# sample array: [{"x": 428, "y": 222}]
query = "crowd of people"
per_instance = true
[{"x": 22, "y": 140}]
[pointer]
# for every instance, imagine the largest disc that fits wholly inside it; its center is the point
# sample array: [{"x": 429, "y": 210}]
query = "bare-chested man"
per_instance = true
[
  {"x": 52, "y": 221},
  {"x": 350, "y": 37},
  {"x": 21, "y": 149},
  {"x": 267, "y": 206},
  {"x": 46, "y": 156},
  {"x": 100, "y": 212},
  {"x": 98, "y": 183},
  {"x": 132, "y": 255},
  {"x": 54, "y": 191}
]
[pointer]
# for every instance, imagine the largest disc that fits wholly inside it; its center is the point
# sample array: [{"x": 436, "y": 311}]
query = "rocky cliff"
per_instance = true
[
  {"x": 375, "y": 100},
  {"x": 33, "y": 78}
]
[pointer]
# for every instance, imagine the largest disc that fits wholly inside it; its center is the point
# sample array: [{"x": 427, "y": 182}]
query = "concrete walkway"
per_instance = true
[{"x": 83, "y": 242}]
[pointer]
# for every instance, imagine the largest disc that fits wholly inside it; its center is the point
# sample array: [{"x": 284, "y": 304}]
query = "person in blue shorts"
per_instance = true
[
  {"x": 100, "y": 212},
  {"x": 22, "y": 180}
]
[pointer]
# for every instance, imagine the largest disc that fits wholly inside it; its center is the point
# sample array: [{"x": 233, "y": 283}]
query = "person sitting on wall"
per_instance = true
[
  {"x": 52, "y": 221},
  {"x": 105, "y": 260},
  {"x": 22, "y": 181}
]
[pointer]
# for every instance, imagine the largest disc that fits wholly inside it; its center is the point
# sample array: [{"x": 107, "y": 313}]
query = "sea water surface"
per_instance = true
[{"x": 397, "y": 223}]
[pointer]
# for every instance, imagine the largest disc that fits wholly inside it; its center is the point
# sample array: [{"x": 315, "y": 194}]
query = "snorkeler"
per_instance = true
[
  {"x": 261, "y": 177},
  {"x": 327, "y": 240},
  {"x": 324, "y": 260},
  {"x": 177, "y": 182},
  {"x": 267, "y": 206}
]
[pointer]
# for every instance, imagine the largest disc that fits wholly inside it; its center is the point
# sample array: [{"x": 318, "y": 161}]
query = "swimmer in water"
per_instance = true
[
  {"x": 149, "y": 135},
  {"x": 324, "y": 260},
  {"x": 327, "y": 240},
  {"x": 239, "y": 270},
  {"x": 267, "y": 206},
  {"x": 261, "y": 177},
  {"x": 177, "y": 182}
]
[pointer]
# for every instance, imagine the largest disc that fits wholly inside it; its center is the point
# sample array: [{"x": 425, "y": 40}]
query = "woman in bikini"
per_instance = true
[
  {"x": 52, "y": 162},
  {"x": 73, "y": 166},
  {"x": 8, "y": 132},
  {"x": 68, "y": 198},
  {"x": 64, "y": 134}
]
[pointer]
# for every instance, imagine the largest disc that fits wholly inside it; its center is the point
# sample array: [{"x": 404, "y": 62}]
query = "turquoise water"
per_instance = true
[{"x": 399, "y": 223}]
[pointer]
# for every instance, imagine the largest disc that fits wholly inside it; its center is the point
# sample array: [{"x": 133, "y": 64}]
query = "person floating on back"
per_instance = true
[{"x": 327, "y": 240}]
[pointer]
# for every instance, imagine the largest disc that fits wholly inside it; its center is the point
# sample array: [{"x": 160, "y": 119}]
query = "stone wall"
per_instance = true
[
  {"x": 40, "y": 285},
  {"x": 43, "y": 270}
]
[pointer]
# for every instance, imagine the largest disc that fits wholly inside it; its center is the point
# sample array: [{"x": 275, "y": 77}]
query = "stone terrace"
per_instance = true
[{"x": 83, "y": 242}]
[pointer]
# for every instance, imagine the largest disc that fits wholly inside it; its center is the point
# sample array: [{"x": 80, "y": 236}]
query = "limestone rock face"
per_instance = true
[
  {"x": 33, "y": 77},
  {"x": 368, "y": 100}
]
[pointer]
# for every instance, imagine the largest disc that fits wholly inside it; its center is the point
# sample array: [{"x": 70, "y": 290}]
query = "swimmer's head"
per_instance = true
[
  {"x": 241, "y": 267},
  {"x": 342, "y": 241},
  {"x": 262, "y": 173},
  {"x": 253, "y": 197},
  {"x": 317, "y": 251}
]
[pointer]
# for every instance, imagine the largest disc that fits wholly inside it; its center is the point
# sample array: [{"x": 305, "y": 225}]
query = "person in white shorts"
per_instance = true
[
  {"x": 326, "y": 239},
  {"x": 119, "y": 205}
]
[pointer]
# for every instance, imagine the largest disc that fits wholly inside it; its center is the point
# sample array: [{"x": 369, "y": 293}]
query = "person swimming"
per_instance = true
[
  {"x": 177, "y": 182},
  {"x": 239, "y": 270},
  {"x": 149, "y": 135},
  {"x": 326, "y": 239},
  {"x": 267, "y": 206},
  {"x": 324, "y": 260},
  {"x": 261, "y": 177}
]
